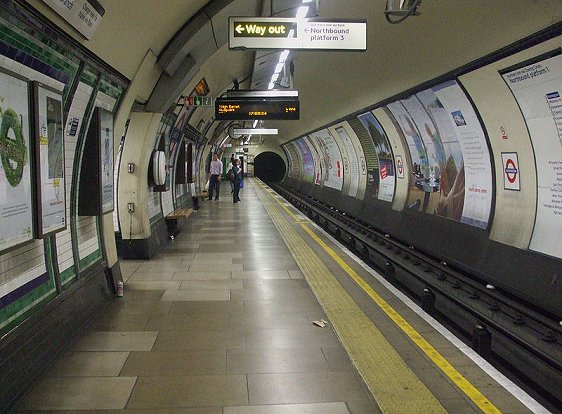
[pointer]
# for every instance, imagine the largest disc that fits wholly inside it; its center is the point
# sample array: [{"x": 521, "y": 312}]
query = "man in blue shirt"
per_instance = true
[{"x": 215, "y": 171}]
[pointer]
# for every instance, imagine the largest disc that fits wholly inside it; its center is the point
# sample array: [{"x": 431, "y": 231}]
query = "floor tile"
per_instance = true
[
  {"x": 116, "y": 341},
  {"x": 120, "y": 321},
  {"x": 304, "y": 388},
  {"x": 297, "y": 337},
  {"x": 276, "y": 361},
  {"x": 153, "y": 285},
  {"x": 174, "y": 321},
  {"x": 197, "y": 295},
  {"x": 154, "y": 392},
  {"x": 212, "y": 284},
  {"x": 95, "y": 393},
  {"x": 154, "y": 275},
  {"x": 174, "y": 363},
  {"x": 320, "y": 408},
  {"x": 214, "y": 267},
  {"x": 201, "y": 339},
  {"x": 261, "y": 274},
  {"x": 211, "y": 275},
  {"x": 89, "y": 364}
]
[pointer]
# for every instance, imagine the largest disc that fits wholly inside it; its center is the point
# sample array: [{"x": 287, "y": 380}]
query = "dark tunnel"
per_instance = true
[{"x": 269, "y": 167}]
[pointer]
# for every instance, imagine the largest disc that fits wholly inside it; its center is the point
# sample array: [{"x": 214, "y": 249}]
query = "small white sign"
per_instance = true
[
  {"x": 510, "y": 166},
  {"x": 334, "y": 35},
  {"x": 399, "y": 167},
  {"x": 80, "y": 14}
]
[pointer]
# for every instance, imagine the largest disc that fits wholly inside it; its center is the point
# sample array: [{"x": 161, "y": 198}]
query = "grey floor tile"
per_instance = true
[
  {"x": 212, "y": 284},
  {"x": 80, "y": 394},
  {"x": 319, "y": 408},
  {"x": 264, "y": 294},
  {"x": 89, "y": 364},
  {"x": 304, "y": 388},
  {"x": 116, "y": 341},
  {"x": 174, "y": 363},
  {"x": 215, "y": 267},
  {"x": 200, "y": 339},
  {"x": 120, "y": 321},
  {"x": 261, "y": 274},
  {"x": 296, "y": 274},
  {"x": 211, "y": 256},
  {"x": 175, "y": 321},
  {"x": 155, "y": 275},
  {"x": 366, "y": 407},
  {"x": 153, "y": 285},
  {"x": 210, "y": 308},
  {"x": 297, "y": 337},
  {"x": 210, "y": 275},
  {"x": 276, "y": 361},
  {"x": 337, "y": 358},
  {"x": 154, "y": 392},
  {"x": 124, "y": 306},
  {"x": 280, "y": 306},
  {"x": 197, "y": 295}
]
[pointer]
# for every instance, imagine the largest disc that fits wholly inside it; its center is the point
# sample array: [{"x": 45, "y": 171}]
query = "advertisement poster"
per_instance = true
[
  {"x": 51, "y": 160},
  {"x": 296, "y": 163},
  {"x": 384, "y": 174},
  {"x": 538, "y": 90},
  {"x": 333, "y": 173},
  {"x": 319, "y": 165},
  {"x": 16, "y": 212},
  {"x": 307, "y": 160},
  {"x": 106, "y": 145},
  {"x": 450, "y": 159},
  {"x": 352, "y": 165},
  {"x": 289, "y": 161}
]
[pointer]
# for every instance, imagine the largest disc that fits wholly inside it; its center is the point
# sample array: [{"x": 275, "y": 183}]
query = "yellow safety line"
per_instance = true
[{"x": 470, "y": 390}]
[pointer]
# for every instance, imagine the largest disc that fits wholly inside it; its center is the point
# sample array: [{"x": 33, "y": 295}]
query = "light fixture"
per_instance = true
[
  {"x": 307, "y": 1},
  {"x": 271, "y": 85},
  {"x": 301, "y": 12},
  {"x": 401, "y": 10},
  {"x": 274, "y": 77},
  {"x": 255, "y": 123},
  {"x": 283, "y": 56},
  {"x": 253, "y": 131},
  {"x": 278, "y": 68}
]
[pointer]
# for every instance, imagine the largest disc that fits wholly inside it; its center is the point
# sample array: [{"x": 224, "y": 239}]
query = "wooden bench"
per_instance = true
[{"x": 172, "y": 220}]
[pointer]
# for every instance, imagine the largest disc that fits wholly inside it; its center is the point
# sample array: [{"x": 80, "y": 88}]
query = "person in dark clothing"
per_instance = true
[{"x": 237, "y": 180}]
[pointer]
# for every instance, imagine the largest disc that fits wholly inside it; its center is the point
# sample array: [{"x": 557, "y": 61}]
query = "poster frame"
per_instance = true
[
  {"x": 31, "y": 235},
  {"x": 40, "y": 231},
  {"x": 104, "y": 113}
]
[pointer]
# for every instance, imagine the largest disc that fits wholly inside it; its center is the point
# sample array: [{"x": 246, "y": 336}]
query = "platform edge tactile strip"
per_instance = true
[{"x": 392, "y": 383}]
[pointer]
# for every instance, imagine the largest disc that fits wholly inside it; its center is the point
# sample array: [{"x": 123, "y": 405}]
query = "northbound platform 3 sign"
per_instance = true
[{"x": 292, "y": 33}]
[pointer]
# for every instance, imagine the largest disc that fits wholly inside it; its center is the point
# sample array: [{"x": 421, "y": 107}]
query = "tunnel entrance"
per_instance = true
[{"x": 269, "y": 167}]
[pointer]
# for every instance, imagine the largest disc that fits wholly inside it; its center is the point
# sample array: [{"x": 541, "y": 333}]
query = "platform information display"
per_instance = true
[
  {"x": 241, "y": 109},
  {"x": 538, "y": 90},
  {"x": 293, "y": 33}
]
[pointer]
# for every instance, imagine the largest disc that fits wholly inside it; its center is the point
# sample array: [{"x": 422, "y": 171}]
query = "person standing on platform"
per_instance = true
[
  {"x": 230, "y": 168},
  {"x": 215, "y": 171},
  {"x": 237, "y": 180}
]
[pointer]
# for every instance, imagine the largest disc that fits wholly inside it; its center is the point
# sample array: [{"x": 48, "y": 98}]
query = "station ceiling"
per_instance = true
[{"x": 190, "y": 39}]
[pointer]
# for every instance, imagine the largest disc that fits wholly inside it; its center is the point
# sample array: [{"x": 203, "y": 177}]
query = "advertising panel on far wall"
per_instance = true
[
  {"x": 353, "y": 160},
  {"x": 384, "y": 175},
  {"x": 319, "y": 162},
  {"x": 307, "y": 160},
  {"x": 537, "y": 87},
  {"x": 450, "y": 161},
  {"x": 333, "y": 173}
]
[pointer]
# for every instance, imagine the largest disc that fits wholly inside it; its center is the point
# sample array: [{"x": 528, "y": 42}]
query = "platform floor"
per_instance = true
[{"x": 220, "y": 322}]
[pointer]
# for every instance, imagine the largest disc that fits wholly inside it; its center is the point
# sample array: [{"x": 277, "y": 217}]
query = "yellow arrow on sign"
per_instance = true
[{"x": 239, "y": 28}]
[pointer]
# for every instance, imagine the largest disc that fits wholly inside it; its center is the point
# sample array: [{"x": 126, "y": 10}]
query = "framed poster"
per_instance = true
[
  {"x": 106, "y": 153},
  {"x": 48, "y": 147},
  {"x": 16, "y": 201}
]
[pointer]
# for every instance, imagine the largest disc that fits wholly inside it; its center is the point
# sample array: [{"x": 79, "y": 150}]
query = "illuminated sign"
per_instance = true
[
  {"x": 293, "y": 33},
  {"x": 198, "y": 100},
  {"x": 239, "y": 109},
  {"x": 202, "y": 87}
]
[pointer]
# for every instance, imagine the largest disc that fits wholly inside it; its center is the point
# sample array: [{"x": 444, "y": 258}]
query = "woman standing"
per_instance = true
[{"x": 237, "y": 172}]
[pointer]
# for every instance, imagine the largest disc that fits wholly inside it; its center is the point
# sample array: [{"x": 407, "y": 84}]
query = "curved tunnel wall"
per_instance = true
[{"x": 430, "y": 169}]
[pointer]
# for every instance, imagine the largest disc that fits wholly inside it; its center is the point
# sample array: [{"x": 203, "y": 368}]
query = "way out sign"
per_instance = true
[
  {"x": 511, "y": 174},
  {"x": 272, "y": 33}
]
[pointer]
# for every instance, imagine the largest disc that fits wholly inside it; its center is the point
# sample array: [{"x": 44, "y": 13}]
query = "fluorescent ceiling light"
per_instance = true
[
  {"x": 283, "y": 56},
  {"x": 302, "y": 11},
  {"x": 271, "y": 85},
  {"x": 274, "y": 77},
  {"x": 278, "y": 68},
  {"x": 307, "y": 1},
  {"x": 255, "y": 123},
  {"x": 253, "y": 131},
  {"x": 291, "y": 34}
]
